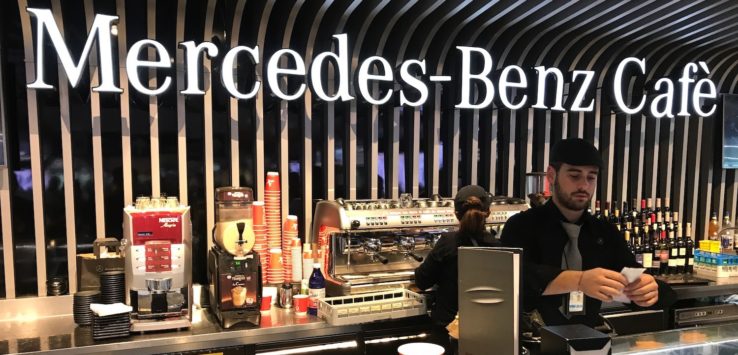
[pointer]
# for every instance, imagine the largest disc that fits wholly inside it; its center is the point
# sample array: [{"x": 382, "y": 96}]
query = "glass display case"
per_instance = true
[{"x": 718, "y": 339}]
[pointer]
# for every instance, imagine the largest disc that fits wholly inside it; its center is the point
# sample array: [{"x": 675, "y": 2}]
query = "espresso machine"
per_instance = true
[
  {"x": 157, "y": 246},
  {"x": 234, "y": 269},
  {"x": 375, "y": 245}
]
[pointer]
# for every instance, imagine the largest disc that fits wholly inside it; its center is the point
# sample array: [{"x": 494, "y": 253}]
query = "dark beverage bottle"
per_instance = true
[
  {"x": 667, "y": 210},
  {"x": 615, "y": 218},
  {"x": 664, "y": 249},
  {"x": 638, "y": 247},
  {"x": 606, "y": 215},
  {"x": 635, "y": 213},
  {"x": 689, "y": 245},
  {"x": 629, "y": 242},
  {"x": 657, "y": 211},
  {"x": 645, "y": 212},
  {"x": 598, "y": 213},
  {"x": 682, "y": 246},
  {"x": 626, "y": 213},
  {"x": 673, "y": 254},
  {"x": 653, "y": 239}
]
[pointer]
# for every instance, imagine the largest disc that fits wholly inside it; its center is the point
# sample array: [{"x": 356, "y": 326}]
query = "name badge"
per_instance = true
[{"x": 576, "y": 303}]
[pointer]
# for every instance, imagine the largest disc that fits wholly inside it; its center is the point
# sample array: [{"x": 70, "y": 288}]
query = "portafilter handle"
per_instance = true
[
  {"x": 373, "y": 248},
  {"x": 406, "y": 244}
]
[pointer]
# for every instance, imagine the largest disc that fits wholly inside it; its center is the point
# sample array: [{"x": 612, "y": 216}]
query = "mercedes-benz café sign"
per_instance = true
[{"x": 511, "y": 77}]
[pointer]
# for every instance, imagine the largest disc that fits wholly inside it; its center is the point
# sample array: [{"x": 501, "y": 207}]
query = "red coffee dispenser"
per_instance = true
[{"x": 158, "y": 263}]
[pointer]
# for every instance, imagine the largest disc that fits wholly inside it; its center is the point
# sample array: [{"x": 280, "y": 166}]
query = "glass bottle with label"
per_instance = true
[
  {"x": 316, "y": 289},
  {"x": 726, "y": 234},
  {"x": 689, "y": 248},
  {"x": 713, "y": 227},
  {"x": 682, "y": 246}
]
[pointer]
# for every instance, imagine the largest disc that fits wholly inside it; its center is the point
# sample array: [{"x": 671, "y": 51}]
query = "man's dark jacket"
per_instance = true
[{"x": 540, "y": 233}]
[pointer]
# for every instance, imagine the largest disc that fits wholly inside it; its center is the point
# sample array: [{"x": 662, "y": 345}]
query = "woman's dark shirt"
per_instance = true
[{"x": 441, "y": 268}]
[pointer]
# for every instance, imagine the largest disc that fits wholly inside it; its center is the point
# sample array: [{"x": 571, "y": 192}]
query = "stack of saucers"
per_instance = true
[
  {"x": 113, "y": 287},
  {"x": 81, "y": 306},
  {"x": 114, "y": 325}
]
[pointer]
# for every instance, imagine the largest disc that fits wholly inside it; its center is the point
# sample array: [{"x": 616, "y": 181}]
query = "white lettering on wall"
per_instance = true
[
  {"x": 385, "y": 74},
  {"x": 192, "y": 61},
  {"x": 467, "y": 76},
  {"x": 697, "y": 94},
  {"x": 343, "y": 71},
  {"x": 274, "y": 71},
  {"x": 229, "y": 81},
  {"x": 618, "y": 85},
  {"x": 588, "y": 80},
  {"x": 413, "y": 82},
  {"x": 100, "y": 29},
  {"x": 544, "y": 72},
  {"x": 133, "y": 64},
  {"x": 505, "y": 84}
]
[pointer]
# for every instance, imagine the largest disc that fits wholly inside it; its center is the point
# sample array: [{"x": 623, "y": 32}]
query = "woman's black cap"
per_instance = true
[
  {"x": 575, "y": 151},
  {"x": 472, "y": 191}
]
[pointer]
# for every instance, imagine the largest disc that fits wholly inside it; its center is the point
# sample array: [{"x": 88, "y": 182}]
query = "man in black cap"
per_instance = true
[{"x": 572, "y": 261}]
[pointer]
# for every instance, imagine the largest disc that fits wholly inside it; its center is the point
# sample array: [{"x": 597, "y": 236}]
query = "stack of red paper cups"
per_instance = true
[
  {"x": 275, "y": 269},
  {"x": 273, "y": 210},
  {"x": 260, "y": 230},
  {"x": 289, "y": 231}
]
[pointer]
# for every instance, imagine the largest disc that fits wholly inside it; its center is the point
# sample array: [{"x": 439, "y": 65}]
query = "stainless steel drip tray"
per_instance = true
[{"x": 376, "y": 277}]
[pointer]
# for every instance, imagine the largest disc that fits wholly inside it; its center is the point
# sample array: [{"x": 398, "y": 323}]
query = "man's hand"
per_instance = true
[
  {"x": 644, "y": 291},
  {"x": 602, "y": 284}
]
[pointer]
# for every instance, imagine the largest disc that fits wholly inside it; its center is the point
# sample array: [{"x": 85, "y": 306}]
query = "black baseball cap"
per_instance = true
[
  {"x": 472, "y": 190},
  {"x": 575, "y": 151}
]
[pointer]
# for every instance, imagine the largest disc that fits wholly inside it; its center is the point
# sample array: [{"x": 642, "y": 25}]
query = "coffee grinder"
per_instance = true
[
  {"x": 234, "y": 269},
  {"x": 157, "y": 247}
]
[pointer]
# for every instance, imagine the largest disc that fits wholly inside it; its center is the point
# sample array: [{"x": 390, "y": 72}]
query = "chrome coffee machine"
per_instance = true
[
  {"x": 234, "y": 269},
  {"x": 157, "y": 246},
  {"x": 377, "y": 244}
]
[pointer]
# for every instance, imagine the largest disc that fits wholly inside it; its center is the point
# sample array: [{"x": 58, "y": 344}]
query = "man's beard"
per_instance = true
[{"x": 567, "y": 201}]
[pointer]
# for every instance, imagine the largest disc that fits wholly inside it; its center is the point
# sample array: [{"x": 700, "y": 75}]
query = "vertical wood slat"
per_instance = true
[
  {"x": 455, "y": 153},
  {"x": 154, "y": 102},
  {"x": 395, "y": 171},
  {"x": 67, "y": 160},
  {"x": 181, "y": 110},
  {"x": 233, "y": 102},
  {"x": 307, "y": 172},
  {"x": 35, "y": 149},
  {"x": 373, "y": 169},
  {"x": 208, "y": 124},
  {"x": 97, "y": 158},
  {"x": 437, "y": 138},
  {"x": 529, "y": 143},
  {"x": 641, "y": 156},
  {"x": 6, "y": 215},
  {"x": 683, "y": 174},
  {"x": 611, "y": 157},
  {"x": 696, "y": 185},
  {"x": 416, "y": 154},
  {"x": 493, "y": 152},
  {"x": 511, "y": 154},
  {"x": 626, "y": 160},
  {"x": 259, "y": 105},
  {"x": 125, "y": 116},
  {"x": 329, "y": 129}
]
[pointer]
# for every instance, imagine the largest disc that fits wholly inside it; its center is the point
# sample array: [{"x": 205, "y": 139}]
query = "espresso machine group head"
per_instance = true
[{"x": 158, "y": 263}]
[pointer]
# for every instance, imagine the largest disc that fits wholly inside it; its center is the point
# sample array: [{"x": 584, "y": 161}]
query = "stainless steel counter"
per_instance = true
[
  {"x": 59, "y": 334},
  {"x": 719, "y": 339}
]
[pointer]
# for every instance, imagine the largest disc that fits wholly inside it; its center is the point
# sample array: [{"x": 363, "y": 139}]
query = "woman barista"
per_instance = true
[{"x": 441, "y": 265}]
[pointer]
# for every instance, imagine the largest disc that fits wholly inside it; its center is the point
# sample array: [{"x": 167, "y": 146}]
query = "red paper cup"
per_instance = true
[
  {"x": 300, "y": 302},
  {"x": 272, "y": 181},
  {"x": 266, "y": 303},
  {"x": 257, "y": 209}
]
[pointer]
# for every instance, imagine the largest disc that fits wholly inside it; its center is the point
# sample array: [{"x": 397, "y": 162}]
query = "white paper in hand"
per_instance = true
[{"x": 631, "y": 274}]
